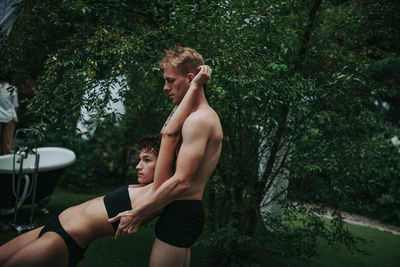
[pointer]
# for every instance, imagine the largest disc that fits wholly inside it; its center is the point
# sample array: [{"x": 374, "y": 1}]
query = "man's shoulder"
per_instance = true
[
  {"x": 205, "y": 116},
  {"x": 203, "y": 122}
]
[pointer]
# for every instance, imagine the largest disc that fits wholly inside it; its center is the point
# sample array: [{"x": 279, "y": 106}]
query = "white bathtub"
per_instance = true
[
  {"x": 51, "y": 158},
  {"x": 52, "y": 161}
]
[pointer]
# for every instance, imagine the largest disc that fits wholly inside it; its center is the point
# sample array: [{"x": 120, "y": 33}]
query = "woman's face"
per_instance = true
[{"x": 146, "y": 166}]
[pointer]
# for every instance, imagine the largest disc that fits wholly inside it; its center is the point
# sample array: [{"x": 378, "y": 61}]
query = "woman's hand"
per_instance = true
[{"x": 203, "y": 76}]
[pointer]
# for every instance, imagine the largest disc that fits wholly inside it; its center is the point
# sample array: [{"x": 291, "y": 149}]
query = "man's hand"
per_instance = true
[
  {"x": 203, "y": 76},
  {"x": 129, "y": 223}
]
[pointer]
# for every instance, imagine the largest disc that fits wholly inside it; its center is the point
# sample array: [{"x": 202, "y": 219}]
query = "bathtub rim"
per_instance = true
[{"x": 69, "y": 155}]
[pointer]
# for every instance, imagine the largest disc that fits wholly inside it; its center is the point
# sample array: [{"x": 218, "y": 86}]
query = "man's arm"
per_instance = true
[
  {"x": 171, "y": 132},
  {"x": 195, "y": 134}
]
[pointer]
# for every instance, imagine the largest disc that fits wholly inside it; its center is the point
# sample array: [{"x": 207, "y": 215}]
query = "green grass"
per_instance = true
[
  {"x": 134, "y": 250},
  {"x": 383, "y": 250}
]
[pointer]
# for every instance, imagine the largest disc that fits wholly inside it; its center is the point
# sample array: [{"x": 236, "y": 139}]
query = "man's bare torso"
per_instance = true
[{"x": 211, "y": 154}]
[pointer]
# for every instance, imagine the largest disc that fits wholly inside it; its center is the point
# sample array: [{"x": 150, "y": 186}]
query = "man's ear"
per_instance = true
[{"x": 190, "y": 76}]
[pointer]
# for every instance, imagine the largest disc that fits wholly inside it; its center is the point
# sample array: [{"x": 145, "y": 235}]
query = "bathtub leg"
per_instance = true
[
  {"x": 44, "y": 211},
  {"x": 35, "y": 178},
  {"x": 20, "y": 199},
  {"x": 18, "y": 191}
]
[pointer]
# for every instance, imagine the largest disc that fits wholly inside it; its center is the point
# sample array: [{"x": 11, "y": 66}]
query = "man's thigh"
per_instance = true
[{"x": 166, "y": 255}]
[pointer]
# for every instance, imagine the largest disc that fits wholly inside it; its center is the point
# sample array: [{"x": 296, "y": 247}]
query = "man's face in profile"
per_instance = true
[{"x": 176, "y": 84}]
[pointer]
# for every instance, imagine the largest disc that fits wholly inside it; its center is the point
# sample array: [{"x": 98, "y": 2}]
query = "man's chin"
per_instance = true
[{"x": 176, "y": 101}]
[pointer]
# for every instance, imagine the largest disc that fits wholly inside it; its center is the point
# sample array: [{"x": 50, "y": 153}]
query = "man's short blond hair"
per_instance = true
[{"x": 186, "y": 59}]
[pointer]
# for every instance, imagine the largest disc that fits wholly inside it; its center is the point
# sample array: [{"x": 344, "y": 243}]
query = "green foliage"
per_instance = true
[
  {"x": 386, "y": 206},
  {"x": 342, "y": 161},
  {"x": 309, "y": 77},
  {"x": 229, "y": 247}
]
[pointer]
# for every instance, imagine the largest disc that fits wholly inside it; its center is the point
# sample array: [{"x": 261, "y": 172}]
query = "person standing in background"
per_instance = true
[{"x": 8, "y": 114}]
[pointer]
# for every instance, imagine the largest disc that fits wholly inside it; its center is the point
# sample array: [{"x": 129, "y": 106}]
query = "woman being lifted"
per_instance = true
[{"x": 62, "y": 242}]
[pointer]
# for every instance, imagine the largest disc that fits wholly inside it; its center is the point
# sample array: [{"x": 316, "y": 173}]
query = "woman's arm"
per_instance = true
[
  {"x": 174, "y": 123},
  {"x": 171, "y": 132}
]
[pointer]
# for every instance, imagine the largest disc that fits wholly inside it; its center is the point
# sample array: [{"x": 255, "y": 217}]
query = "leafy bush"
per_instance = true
[{"x": 296, "y": 74}]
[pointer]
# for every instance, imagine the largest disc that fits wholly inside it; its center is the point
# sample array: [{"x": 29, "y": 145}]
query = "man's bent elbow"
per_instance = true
[{"x": 183, "y": 185}]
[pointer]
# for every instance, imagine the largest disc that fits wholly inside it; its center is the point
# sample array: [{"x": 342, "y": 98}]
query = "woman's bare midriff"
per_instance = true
[{"x": 89, "y": 221}]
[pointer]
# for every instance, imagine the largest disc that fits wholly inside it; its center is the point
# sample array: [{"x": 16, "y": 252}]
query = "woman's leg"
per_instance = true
[
  {"x": 48, "y": 250},
  {"x": 16, "y": 244},
  {"x": 84, "y": 223}
]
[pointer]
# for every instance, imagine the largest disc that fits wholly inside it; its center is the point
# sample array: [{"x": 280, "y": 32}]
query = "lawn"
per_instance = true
[{"x": 134, "y": 250}]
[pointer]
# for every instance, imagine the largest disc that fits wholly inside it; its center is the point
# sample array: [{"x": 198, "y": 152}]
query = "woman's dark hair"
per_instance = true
[{"x": 149, "y": 143}]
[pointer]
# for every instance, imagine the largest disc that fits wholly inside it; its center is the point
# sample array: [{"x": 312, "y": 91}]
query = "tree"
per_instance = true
[{"x": 299, "y": 70}]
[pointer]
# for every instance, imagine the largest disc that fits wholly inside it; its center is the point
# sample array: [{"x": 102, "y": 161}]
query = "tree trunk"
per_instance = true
[{"x": 307, "y": 34}]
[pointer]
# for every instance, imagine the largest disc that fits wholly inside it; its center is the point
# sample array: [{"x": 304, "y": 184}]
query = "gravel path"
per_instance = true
[
  {"x": 360, "y": 220},
  {"x": 363, "y": 221}
]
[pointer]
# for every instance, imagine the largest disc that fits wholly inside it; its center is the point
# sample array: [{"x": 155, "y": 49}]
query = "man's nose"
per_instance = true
[
  {"x": 166, "y": 87},
  {"x": 139, "y": 166}
]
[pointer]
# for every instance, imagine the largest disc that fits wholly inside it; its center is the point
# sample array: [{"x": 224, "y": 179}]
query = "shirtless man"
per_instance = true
[
  {"x": 62, "y": 241},
  {"x": 179, "y": 199}
]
